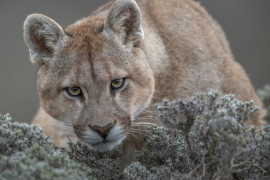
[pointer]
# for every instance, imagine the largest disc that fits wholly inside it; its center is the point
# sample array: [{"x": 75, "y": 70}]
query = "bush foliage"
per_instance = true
[
  {"x": 264, "y": 94},
  {"x": 26, "y": 153},
  {"x": 210, "y": 144}
]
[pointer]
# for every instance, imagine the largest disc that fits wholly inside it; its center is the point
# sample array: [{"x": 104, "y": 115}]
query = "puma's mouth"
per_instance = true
[
  {"x": 94, "y": 141},
  {"x": 106, "y": 145}
]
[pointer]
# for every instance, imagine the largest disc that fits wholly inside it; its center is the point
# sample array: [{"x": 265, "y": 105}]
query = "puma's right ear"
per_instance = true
[
  {"x": 124, "y": 20},
  {"x": 41, "y": 35}
]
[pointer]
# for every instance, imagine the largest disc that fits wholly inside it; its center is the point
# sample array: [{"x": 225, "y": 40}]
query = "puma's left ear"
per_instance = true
[{"x": 124, "y": 20}]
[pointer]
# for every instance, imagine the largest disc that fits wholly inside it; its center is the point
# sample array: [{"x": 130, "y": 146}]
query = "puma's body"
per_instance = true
[{"x": 162, "y": 49}]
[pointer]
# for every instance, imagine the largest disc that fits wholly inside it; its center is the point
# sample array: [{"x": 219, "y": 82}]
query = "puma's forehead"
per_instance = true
[
  {"x": 89, "y": 58},
  {"x": 87, "y": 73}
]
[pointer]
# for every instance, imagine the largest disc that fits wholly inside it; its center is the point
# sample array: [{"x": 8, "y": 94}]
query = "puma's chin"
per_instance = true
[
  {"x": 94, "y": 141},
  {"x": 105, "y": 145}
]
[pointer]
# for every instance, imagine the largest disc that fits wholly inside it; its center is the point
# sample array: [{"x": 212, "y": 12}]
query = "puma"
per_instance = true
[{"x": 99, "y": 78}]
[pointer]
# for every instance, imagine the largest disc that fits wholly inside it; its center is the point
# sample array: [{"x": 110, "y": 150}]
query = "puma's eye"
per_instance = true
[
  {"x": 74, "y": 91},
  {"x": 117, "y": 84}
]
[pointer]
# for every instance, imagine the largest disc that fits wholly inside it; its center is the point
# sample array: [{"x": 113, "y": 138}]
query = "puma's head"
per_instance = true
[{"x": 93, "y": 75}]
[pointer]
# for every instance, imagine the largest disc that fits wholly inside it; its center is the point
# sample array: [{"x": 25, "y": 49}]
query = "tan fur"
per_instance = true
[{"x": 171, "y": 50}]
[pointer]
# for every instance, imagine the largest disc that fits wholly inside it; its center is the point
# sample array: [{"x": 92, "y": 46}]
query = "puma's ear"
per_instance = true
[
  {"x": 41, "y": 35},
  {"x": 124, "y": 20}
]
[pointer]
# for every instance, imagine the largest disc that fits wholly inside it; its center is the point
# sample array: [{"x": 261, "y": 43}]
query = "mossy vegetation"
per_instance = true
[{"x": 210, "y": 144}]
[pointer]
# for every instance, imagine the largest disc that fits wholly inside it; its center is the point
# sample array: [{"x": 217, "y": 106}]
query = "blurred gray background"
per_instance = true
[{"x": 245, "y": 22}]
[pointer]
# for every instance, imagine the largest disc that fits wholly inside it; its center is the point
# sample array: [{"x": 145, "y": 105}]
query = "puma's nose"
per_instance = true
[{"x": 103, "y": 131}]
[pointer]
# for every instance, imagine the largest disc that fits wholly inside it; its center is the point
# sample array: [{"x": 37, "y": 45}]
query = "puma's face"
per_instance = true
[
  {"x": 94, "y": 75},
  {"x": 99, "y": 89}
]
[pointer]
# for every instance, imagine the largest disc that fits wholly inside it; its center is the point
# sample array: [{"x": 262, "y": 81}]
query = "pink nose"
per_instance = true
[{"x": 103, "y": 131}]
